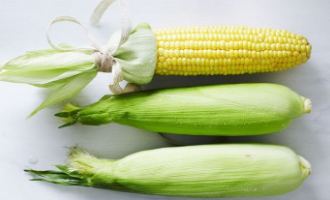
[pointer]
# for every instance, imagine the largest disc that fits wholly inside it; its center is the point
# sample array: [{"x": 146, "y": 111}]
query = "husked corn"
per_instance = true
[{"x": 222, "y": 50}]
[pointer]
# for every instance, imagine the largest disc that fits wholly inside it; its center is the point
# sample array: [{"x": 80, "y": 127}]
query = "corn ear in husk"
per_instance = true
[
  {"x": 229, "y": 110},
  {"x": 229, "y": 170}
]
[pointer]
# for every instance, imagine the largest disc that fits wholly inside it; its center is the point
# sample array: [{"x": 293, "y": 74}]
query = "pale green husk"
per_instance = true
[
  {"x": 230, "y": 170},
  {"x": 228, "y": 110},
  {"x": 68, "y": 72}
]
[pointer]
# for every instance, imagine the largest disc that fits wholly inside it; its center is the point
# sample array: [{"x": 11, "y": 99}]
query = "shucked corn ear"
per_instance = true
[
  {"x": 171, "y": 51},
  {"x": 230, "y": 170},
  {"x": 237, "y": 109},
  {"x": 228, "y": 50}
]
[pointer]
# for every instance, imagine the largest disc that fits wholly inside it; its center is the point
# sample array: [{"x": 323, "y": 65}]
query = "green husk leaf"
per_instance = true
[
  {"x": 103, "y": 98},
  {"x": 50, "y": 60},
  {"x": 67, "y": 73},
  {"x": 69, "y": 172},
  {"x": 69, "y": 114},
  {"x": 67, "y": 90},
  {"x": 68, "y": 124},
  {"x": 39, "y": 77},
  {"x": 46, "y": 68},
  {"x": 138, "y": 56},
  {"x": 50, "y": 174},
  {"x": 57, "y": 177},
  {"x": 62, "y": 114},
  {"x": 63, "y": 182}
]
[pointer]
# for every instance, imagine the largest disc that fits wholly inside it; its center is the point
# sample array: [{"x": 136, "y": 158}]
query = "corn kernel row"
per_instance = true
[
  {"x": 235, "y": 45},
  {"x": 227, "y": 30},
  {"x": 226, "y": 61},
  {"x": 234, "y": 37},
  {"x": 194, "y": 71},
  {"x": 207, "y": 53}
]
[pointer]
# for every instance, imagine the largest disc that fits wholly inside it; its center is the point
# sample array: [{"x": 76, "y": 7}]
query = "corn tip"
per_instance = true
[
  {"x": 307, "y": 105},
  {"x": 306, "y": 165}
]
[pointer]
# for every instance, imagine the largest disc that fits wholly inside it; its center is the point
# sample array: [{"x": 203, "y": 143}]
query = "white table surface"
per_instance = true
[{"x": 23, "y": 25}]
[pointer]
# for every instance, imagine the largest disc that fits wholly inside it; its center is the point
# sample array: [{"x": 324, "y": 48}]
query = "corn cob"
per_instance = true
[
  {"x": 222, "y": 50},
  {"x": 232, "y": 110},
  {"x": 173, "y": 51},
  {"x": 195, "y": 171}
]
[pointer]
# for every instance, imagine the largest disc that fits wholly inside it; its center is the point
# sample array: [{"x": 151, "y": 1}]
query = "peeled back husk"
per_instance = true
[
  {"x": 231, "y": 110},
  {"x": 230, "y": 170},
  {"x": 68, "y": 72}
]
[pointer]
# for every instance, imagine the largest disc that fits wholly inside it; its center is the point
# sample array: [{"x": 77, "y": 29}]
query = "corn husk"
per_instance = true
[
  {"x": 229, "y": 110},
  {"x": 230, "y": 170}
]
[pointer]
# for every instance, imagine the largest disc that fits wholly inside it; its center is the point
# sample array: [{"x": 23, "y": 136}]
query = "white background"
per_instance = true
[{"x": 23, "y": 25}]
